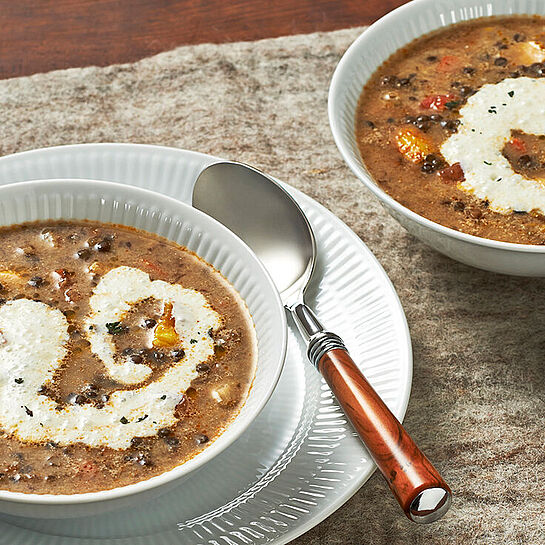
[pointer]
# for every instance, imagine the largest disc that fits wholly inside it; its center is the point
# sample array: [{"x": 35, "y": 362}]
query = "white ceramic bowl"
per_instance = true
[
  {"x": 364, "y": 56},
  {"x": 155, "y": 213}
]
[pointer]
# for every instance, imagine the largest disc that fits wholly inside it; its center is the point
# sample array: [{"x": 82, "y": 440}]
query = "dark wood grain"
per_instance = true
[
  {"x": 404, "y": 466},
  {"x": 39, "y": 36}
]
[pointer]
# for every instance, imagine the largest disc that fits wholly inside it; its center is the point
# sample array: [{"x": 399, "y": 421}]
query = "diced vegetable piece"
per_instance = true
[
  {"x": 97, "y": 267},
  {"x": 153, "y": 267},
  {"x": 453, "y": 173},
  {"x": 64, "y": 277},
  {"x": 165, "y": 332},
  {"x": 116, "y": 328},
  {"x": 224, "y": 395},
  {"x": 11, "y": 278},
  {"x": 518, "y": 144},
  {"x": 448, "y": 63},
  {"x": 526, "y": 53},
  {"x": 437, "y": 102},
  {"x": 412, "y": 143}
]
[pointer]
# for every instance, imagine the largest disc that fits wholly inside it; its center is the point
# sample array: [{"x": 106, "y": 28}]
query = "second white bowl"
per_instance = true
[{"x": 362, "y": 58}]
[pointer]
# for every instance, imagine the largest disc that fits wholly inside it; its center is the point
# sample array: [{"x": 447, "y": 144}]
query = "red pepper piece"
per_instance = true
[
  {"x": 448, "y": 63},
  {"x": 436, "y": 102},
  {"x": 65, "y": 278},
  {"x": 88, "y": 468},
  {"x": 154, "y": 267},
  {"x": 518, "y": 144}
]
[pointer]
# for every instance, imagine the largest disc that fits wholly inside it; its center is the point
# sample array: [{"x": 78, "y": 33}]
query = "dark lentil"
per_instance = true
[
  {"x": 36, "y": 281},
  {"x": 103, "y": 246},
  {"x": 136, "y": 358},
  {"x": 201, "y": 439},
  {"x": 84, "y": 253},
  {"x": 76, "y": 399},
  {"x": 177, "y": 354},
  {"x": 525, "y": 161}
]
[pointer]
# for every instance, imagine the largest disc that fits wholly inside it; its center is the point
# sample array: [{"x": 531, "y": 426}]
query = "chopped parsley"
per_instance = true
[
  {"x": 142, "y": 418},
  {"x": 116, "y": 328},
  {"x": 163, "y": 396},
  {"x": 19, "y": 381},
  {"x": 487, "y": 163},
  {"x": 123, "y": 420},
  {"x": 28, "y": 411},
  {"x": 193, "y": 341},
  {"x": 511, "y": 93},
  {"x": 451, "y": 104}
]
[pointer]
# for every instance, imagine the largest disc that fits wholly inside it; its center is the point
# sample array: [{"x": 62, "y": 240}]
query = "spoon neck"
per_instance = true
[
  {"x": 306, "y": 321},
  {"x": 318, "y": 340}
]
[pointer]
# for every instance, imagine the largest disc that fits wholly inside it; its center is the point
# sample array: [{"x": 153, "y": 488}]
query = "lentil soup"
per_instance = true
[
  {"x": 123, "y": 356},
  {"x": 452, "y": 126}
]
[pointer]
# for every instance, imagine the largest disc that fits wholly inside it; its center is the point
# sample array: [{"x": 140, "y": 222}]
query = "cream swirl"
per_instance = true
[
  {"x": 35, "y": 341},
  {"x": 486, "y": 122}
]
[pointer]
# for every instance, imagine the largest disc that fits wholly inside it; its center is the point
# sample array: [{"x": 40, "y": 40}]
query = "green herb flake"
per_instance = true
[
  {"x": 193, "y": 341},
  {"x": 116, "y": 328},
  {"x": 142, "y": 418},
  {"x": 451, "y": 104},
  {"x": 123, "y": 420},
  {"x": 487, "y": 163},
  {"x": 19, "y": 381},
  {"x": 511, "y": 93}
]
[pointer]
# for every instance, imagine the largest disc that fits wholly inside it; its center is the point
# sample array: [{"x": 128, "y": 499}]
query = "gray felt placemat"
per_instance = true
[{"x": 477, "y": 404}]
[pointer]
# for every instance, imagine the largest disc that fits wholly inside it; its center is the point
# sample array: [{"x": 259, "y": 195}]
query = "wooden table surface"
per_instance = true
[{"x": 43, "y": 35}]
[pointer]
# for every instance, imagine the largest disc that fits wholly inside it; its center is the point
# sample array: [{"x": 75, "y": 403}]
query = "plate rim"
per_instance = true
[{"x": 406, "y": 355}]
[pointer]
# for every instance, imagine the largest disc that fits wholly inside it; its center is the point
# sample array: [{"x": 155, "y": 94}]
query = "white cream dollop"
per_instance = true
[
  {"x": 486, "y": 122},
  {"x": 34, "y": 344},
  {"x": 118, "y": 291}
]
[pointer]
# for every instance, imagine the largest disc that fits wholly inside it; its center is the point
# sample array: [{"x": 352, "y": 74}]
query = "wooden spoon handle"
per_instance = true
[{"x": 420, "y": 490}]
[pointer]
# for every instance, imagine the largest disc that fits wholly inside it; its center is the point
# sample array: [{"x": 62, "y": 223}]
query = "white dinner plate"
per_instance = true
[{"x": 299, "y": 461}]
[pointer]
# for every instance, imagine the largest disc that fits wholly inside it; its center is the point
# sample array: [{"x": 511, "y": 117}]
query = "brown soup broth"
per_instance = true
[
  {"x": 59, "y": 264},
  {"x": 442, "y": 70}
]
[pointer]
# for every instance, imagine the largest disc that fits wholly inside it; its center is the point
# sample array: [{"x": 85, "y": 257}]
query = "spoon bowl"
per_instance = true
[{"x": 289, "y": 255}]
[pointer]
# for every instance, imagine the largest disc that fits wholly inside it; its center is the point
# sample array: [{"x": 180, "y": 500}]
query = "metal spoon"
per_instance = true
[{"x": 265, "y": 216}]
